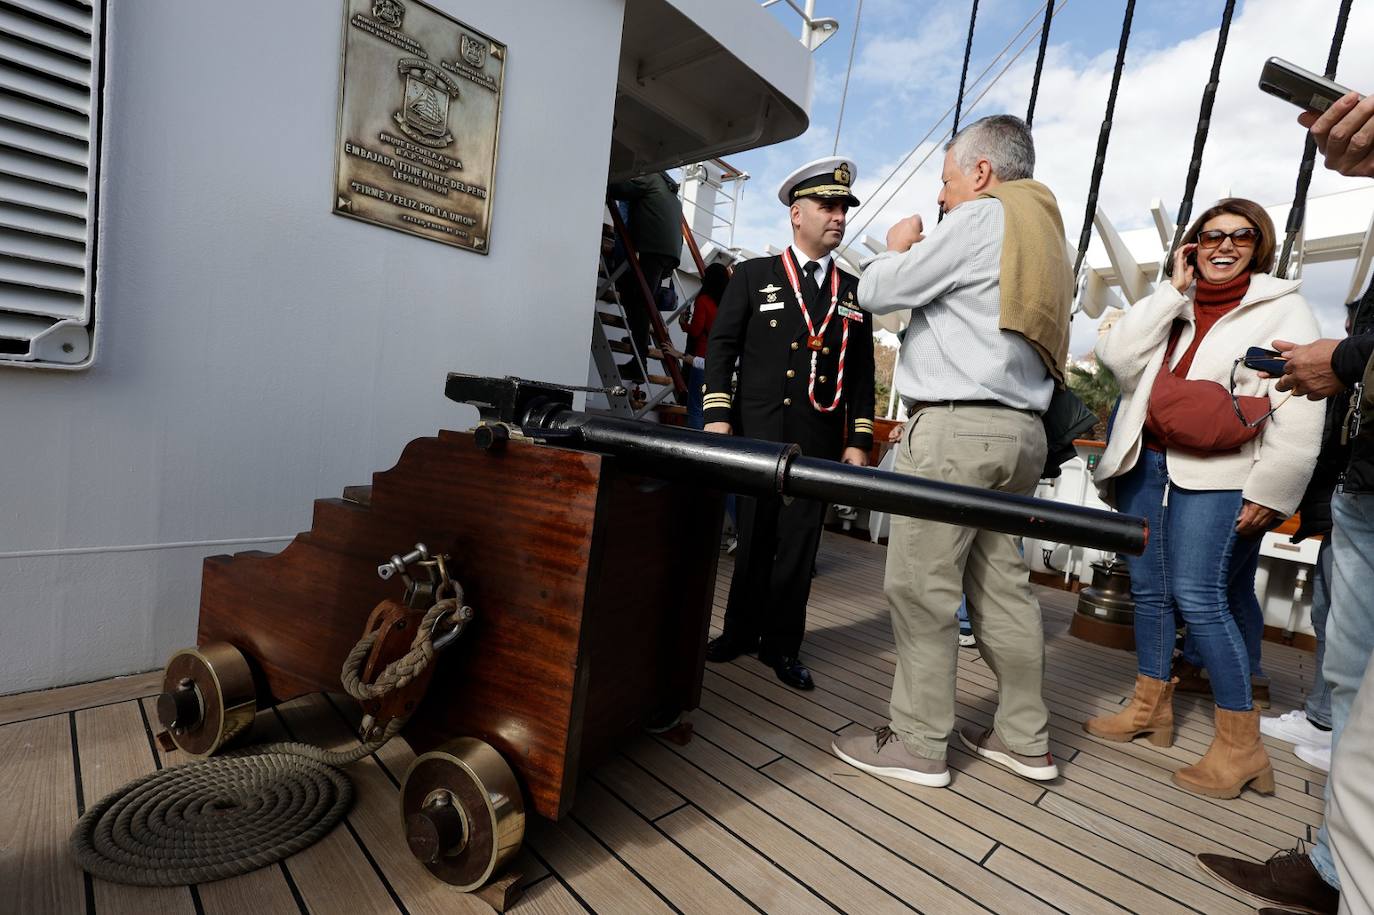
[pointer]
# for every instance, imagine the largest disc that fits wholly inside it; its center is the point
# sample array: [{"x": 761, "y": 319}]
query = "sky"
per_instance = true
[{"x": 906, "y": 74}]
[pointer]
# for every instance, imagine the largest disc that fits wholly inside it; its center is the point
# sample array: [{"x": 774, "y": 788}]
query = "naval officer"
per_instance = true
[{"x": 805, "y": 361}]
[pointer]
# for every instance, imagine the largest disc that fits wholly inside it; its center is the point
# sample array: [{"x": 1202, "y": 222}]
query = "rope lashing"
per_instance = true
[
  {"x": 870, "y": 207},
  {"x": 1104, "y": 135},
  {"x": 236, "y": 813},
  {"x": 1040, "y": 62},
  {"x": 1298, "y": 212},
  {"x": 963, "y": 78},
  {"x": 1204, "y": 124}
]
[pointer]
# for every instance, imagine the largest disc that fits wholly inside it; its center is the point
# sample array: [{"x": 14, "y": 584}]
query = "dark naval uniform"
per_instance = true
[{"x": 760, "y": 324}]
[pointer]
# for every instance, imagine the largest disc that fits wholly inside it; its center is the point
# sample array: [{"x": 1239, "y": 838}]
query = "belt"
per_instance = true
[{"x": 913, "y": 405}]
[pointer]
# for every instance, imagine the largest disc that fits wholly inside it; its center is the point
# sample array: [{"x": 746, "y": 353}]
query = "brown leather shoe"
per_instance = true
[
  {"x": 1190, "y": 679},
  {"x": 1151, "y": 714},
  {"x": 1235, "y": 759},
  {"x": 884, "y": 754},
  {"x": 1287, "y": 880},
  {"x": 1259, "y": 692}
]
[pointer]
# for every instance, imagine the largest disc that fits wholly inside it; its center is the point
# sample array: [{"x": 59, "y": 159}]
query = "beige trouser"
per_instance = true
[
  {"x": 930, "y": 565},
  {"x": 1350, "y": 818}
]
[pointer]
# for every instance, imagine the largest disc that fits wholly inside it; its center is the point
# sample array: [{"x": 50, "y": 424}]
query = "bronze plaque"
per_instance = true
[{"x": 419, "y": 111}]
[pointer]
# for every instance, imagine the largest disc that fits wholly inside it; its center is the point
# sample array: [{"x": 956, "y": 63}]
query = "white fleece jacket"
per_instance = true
[{"x": 1273, "y": 468}]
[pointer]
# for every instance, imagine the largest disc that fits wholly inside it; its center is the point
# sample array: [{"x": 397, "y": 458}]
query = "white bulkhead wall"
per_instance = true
[{"x": 258, "y": 352}]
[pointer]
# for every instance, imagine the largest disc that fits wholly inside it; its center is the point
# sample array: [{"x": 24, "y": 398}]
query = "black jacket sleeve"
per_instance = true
[
  {"x": 1350, "y": 358},
  {"x": 859, "y": 385},
  {"x": 724, "y": 347}
]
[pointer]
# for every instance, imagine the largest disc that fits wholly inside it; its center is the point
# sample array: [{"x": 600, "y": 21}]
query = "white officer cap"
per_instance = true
[{"x": 828, "y": 177}]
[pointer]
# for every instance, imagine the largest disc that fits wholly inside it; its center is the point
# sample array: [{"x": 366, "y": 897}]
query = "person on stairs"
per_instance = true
[
  {"x": 1209, "y": 480},
  {"x": 655, "y": 228}
]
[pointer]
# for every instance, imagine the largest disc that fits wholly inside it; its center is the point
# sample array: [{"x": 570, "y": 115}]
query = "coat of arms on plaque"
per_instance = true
[
  {"x": 474, "y": 51},
  {"x": 389, "y": 11},
  {"x": 424, "y": 104}
]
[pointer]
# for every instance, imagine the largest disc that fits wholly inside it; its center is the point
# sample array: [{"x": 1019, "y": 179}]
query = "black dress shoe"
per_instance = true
[
  {"x": 790, "y": 671},
  {"x": 728, "y": 647}
]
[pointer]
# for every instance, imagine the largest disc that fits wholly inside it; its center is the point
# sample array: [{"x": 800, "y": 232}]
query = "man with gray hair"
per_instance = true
[{"x": 989, "y": 294}]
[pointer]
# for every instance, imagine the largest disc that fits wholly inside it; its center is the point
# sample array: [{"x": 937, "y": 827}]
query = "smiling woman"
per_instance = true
[{"x": 1208, "y": 509}]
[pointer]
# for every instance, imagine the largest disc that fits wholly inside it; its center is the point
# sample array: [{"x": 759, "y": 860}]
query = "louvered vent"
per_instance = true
[{"x": 49, "y": 90}]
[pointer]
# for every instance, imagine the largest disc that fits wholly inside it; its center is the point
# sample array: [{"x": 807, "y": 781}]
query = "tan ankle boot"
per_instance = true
[
  {"x": 1235, "y": 758},
  {"x": 1150, "y": 713}
]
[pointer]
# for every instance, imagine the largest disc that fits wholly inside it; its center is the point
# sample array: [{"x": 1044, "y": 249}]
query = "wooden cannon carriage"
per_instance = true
[{"x": 587, "y": 547}]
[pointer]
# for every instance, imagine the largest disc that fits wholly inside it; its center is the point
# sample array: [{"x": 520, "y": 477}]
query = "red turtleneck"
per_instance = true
[{"x": 1212, "y": 301}]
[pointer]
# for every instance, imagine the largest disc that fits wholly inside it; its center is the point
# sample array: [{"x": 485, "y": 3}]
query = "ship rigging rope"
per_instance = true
[
  {"x": 239, "y": 812},
  {"x": 1298, "y": 211},
  {"x": 1204, "y": 124},
  {"x": 1104, "y": 134},
  {"x": 873, "y": 209},
  {"x": 1039, "y": 63},
  {"x": 844, "y": 95},
  {"x": 929, "y": 133},
  {"x": 963, "y": 74},
  {"x": 963, "y": 78}
]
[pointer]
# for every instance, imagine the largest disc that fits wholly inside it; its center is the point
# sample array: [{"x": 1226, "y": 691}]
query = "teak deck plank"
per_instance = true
[
  {"x": 374, "y": 815},
  {"x": 753, "y": 813},
  {"x": 333, "y": 875},
  {"x": 265, "y": 890},
  {"x": 673, "y": 873},
  {"x": 113, "y": 743},
  {"x": 37, "y": 704},
  {"x": 38, "y": 808},
  {"x": 592, "y": 870},
  {"x": 770, "y": 836},
  {"x": 750, "y": 873}
]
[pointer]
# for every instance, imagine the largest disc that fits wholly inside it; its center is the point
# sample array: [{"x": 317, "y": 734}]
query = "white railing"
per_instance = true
[{"x": 815, "y": 31}]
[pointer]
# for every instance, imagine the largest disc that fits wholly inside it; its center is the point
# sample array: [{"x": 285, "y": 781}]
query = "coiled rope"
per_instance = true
[{"x": 236, "y": 813}]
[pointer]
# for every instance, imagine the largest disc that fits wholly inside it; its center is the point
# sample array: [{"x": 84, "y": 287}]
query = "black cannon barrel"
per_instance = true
[
  {"x": 967, "y": 506},
  {"x": 754, "y": 467}
]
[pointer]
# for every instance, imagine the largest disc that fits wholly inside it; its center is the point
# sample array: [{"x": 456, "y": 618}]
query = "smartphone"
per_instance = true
[
  {"x": 1264, "y": 360},
  {"x": 1301, "y": 87}
]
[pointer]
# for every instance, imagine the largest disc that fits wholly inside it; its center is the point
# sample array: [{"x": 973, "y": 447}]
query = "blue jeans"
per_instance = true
[
  {"x": 1245, "y": 606},
  {"x": 965, "y": 626},
  {"x": 1319, "y": 696},
  {"x": 1187, "y": 562},
  {"x": 1350, "y": 629}
]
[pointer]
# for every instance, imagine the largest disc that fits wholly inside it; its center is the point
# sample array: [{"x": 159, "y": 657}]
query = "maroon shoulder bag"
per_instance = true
[{"x": 1197, "y": 415}]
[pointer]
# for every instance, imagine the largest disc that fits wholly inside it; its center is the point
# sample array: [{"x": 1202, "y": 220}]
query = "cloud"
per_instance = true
[{"x": 1253, "y": 148}]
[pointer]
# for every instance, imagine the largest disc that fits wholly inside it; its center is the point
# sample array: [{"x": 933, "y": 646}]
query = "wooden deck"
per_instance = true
[{"x": 753, "y": 814}]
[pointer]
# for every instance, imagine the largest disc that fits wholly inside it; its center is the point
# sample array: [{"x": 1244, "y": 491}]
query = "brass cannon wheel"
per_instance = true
[
  {"x": 207, "y": 697},
  {"x": 463, "y": 813}
]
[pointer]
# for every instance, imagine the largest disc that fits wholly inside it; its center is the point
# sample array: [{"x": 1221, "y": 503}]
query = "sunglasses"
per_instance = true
[{"x": 1241, "y": 238}]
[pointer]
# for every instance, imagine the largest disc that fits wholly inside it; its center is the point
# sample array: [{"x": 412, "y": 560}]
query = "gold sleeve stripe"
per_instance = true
[
  {"x": 863, "y": 425},
  {"x": 716, "y": 400}
]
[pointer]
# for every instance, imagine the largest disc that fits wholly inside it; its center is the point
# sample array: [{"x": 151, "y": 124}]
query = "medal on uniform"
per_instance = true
[{"x": 815, "y": 339}]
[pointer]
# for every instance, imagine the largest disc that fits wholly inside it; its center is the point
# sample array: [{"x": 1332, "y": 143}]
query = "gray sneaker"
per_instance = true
[
  {"x": 988, "y": 745},
  {"x": 884, "y": 754}
]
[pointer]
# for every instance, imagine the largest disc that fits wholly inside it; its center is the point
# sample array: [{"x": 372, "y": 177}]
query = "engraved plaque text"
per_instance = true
[{"x": 419, "y": 113}]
